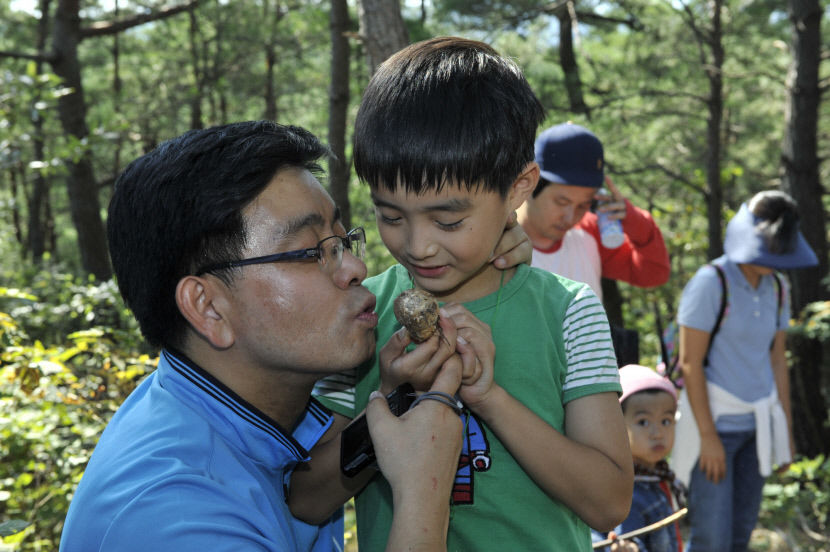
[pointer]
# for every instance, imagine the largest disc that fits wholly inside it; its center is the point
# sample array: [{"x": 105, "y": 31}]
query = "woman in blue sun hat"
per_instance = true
[{"x": 735, "y": 422}]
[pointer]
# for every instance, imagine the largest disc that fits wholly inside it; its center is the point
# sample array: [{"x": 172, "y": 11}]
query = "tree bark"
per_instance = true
[
  {"x": 198, "y": 72},
  {"x": 567, "y": 60},
  {"x": 84, "y": 205},
  {"x": 800, "y": 147},
  {"x": 270, "y": 93},
  {"x": 38, "y": 200},
  {"x": 382, "y": 30},
  {"x": 714, "y": 120},
  {"x": 801, "y": 180},
  {"x": 339, "y": 24}
]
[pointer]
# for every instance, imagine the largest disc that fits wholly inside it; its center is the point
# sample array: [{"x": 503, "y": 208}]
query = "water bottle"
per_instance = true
[{"x": 610, "y": 231}]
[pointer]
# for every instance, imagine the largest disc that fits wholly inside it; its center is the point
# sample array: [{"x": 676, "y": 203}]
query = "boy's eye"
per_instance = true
[
  {"x": 643, "y": 423},
  {"x": 449, "y": 225},
  {"x": 387, "y": 219},
  {"x": 668, "y": 422}
]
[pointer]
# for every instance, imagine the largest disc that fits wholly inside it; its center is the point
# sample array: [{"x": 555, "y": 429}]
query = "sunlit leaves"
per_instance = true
[{"x": 57, "y": 393}]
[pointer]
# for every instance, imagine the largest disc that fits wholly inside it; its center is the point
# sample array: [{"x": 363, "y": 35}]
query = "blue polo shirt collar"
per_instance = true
[{"x": 237, "y": 420}]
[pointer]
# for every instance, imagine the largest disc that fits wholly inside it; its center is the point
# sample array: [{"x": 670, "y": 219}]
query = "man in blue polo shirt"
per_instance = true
[{"x": 233, "y": 259}]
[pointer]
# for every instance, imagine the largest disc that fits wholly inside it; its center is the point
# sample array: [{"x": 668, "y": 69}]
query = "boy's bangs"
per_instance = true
[{"x": 419, "y": 162}]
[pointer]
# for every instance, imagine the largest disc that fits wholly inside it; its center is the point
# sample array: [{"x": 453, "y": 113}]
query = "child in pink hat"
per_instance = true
[{"x": 649, "y": 404}]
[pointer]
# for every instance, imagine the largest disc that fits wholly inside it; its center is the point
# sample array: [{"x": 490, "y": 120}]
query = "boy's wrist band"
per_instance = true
[{"x": 440, "y": 396}]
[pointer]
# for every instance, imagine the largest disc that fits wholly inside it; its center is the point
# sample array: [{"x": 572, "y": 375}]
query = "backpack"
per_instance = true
[{"x": 670, "y": 337}]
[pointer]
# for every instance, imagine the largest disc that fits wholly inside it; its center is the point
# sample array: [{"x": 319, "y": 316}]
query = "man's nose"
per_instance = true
[{"x": 352, "y": 271}]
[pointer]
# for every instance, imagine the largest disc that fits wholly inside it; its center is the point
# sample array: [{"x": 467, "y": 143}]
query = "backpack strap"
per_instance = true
[{"x": 723, "y": 302}]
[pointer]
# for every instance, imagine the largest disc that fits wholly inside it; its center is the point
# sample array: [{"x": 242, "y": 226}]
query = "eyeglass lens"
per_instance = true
[{"x": 333, "y": 246}]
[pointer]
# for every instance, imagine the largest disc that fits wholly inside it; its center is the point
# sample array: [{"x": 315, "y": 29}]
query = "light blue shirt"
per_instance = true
[
  {"x": 187, "y": 465},
  {"x": 739, "y": 357}
]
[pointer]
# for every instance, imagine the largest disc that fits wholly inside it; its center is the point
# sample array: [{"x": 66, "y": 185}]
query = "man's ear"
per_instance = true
[
  {"x": 524, "y": 185},
  {"x": 202, "y": 302}
]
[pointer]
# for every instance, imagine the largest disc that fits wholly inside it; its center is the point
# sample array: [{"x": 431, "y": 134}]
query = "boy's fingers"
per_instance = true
[
  {"x": 471, "y": 367},
  {"x": 396, "y": 345},
  {"x": 448, "y": 379}
]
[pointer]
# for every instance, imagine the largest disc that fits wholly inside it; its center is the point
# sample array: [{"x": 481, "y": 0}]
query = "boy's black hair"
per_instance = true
[
  {"x": 180, "y": 207},
  {"x": 779, "y": 220},
  {"x": 446, "y": 110}
]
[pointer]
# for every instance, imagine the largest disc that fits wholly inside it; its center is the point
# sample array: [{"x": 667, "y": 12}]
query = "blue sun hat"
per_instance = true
[
  {"x": 744, "y": 244},
  {"x": 570, "y": 154}
]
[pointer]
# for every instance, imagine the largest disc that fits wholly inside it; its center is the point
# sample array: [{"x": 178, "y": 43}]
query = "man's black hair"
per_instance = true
[
  {"x": 541, "y": 185},
  {"x": 180, "y": 207},
  {"x": 446, "y": 110}
]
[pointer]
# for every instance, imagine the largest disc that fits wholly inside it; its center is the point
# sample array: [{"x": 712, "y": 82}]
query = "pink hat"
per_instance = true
[{"x": 635, "y": 378}]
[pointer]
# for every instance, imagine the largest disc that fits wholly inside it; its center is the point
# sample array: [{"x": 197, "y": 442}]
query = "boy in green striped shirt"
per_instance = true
[{"x": 444, "y": 137}]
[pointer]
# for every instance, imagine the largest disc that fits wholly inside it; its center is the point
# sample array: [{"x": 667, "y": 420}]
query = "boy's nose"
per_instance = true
[{"x": 420, "y": 245}]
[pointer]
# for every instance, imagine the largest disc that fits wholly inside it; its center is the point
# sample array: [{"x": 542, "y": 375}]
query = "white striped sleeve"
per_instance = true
[
  {"x": 588, "y": 345},
  {"x": 338, "y": 388}
]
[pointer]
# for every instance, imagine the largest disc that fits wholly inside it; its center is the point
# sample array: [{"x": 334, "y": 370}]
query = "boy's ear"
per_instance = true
[
  {"x": 203, "y": 304},
  {"x": 524, "y": 185}
]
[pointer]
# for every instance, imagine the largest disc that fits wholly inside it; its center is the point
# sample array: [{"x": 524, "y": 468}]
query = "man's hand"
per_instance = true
[
  {"x": 514, "y": 247},
  {"x": 614, "y": 204},
  {"x": 418, "y": 454}
]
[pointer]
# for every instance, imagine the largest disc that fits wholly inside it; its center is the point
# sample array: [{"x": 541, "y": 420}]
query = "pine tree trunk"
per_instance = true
[
  {"x": 84, "y": 205},
  {"x": 338, "y": 106},
  {"x": 382, "y": 30},
  {"x": 714, "y": 187},
  {"x": 810, "y": 370}
]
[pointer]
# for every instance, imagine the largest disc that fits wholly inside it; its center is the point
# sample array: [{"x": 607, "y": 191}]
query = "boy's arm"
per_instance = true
[{"x": 589, "y": 468}]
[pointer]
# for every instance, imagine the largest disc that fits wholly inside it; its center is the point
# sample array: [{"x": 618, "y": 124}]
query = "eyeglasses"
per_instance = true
[{"x": 328, "y": 252}]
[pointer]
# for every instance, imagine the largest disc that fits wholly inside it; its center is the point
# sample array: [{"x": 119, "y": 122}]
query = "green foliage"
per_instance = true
[
  {"x": 53, "y": 304},
  {"x": 797, "y": 502},
  {"x": 815, "y": 321},
  {"x": 57, "y": 392}
]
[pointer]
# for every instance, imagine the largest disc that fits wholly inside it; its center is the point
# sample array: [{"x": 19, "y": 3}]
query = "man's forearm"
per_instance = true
[{"x": 319, "y": 488}]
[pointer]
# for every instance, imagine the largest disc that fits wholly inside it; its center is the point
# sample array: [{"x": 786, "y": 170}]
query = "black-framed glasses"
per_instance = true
[{"x": 328, "y": 252}]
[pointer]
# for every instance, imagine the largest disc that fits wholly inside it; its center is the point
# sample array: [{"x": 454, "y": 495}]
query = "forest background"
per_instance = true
[{"x": 699, "y": 103}]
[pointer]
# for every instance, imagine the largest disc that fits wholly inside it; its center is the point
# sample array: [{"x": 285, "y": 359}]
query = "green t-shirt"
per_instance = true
[{"x": 552, "y": 346}]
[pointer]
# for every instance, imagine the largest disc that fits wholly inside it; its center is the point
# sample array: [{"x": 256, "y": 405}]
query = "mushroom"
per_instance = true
[{"x": 417, "y": 310}]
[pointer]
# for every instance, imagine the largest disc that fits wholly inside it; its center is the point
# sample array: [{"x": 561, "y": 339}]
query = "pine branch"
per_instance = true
[{"x": 104, "y": 28}]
